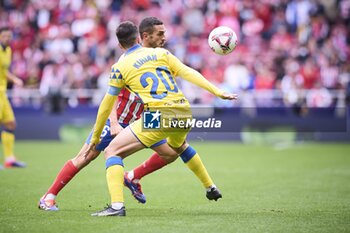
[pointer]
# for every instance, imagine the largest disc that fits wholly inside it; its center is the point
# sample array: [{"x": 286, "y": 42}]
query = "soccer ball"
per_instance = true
[{"x": 222, "y": 40}]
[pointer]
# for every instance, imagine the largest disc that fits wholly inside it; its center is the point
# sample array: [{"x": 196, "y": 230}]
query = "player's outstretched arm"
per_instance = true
[{"x": 197, "y": 78}]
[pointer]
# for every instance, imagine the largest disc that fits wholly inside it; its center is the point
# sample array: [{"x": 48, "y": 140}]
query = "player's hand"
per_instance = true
[
  {"x": 89, "y": 150},
  {"x": 18, "y": 82},
  {"x": 115, "y": 129},
  {"x": 229, "y": 96}
]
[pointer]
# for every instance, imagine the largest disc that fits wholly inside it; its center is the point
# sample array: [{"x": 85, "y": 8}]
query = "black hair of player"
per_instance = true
[
  {"x": 127, "y": 34},
  {"x": 147, "y": 25}
]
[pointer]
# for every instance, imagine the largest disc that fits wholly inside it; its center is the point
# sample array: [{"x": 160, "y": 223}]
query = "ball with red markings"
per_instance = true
[{"x": 222, "y": 40}]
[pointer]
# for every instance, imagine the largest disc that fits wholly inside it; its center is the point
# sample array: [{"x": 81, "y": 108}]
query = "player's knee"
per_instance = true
[
  {"x": 108, "y": 152},
  {"x": 116, "y": 151},
  {"x": 181, "y": 149},
  {"x": 93, "y": 156},
  {"x": 166, "y": 153},
  {"x": 80, "y": 161},
  {"x": 169, "y": 158}
]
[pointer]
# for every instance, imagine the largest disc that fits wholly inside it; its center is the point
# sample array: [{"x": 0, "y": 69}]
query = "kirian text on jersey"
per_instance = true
[{"x": 145, "y": 59}]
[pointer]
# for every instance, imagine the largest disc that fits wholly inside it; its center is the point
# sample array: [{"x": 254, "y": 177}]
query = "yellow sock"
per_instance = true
[
  {"x": 115, "y": 181},
  {"x": 196, "y": 165},
  {"x": 8, "y": 141}
]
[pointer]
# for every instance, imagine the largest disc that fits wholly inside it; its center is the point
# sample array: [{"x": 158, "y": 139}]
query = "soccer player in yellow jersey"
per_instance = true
[
  {"x": 152, "y": 32},
  {"x": 150, "y": 74},
  {"x": 7, "y": 118}
]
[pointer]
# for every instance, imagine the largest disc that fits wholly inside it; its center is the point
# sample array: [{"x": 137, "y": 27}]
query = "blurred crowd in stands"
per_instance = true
[{"x": 287, "y": 45}]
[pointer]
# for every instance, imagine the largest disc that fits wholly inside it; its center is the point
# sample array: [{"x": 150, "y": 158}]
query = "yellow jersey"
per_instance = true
[
  {"x": 150, "y": 74},
  {"x": 5, "y": 61}
]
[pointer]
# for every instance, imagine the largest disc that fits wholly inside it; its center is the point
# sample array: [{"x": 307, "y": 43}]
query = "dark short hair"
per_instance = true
[
  {"x": 2, "y": 29},
  {"x": 127, "y": 33},
  {"x": 148, "y": 23}
]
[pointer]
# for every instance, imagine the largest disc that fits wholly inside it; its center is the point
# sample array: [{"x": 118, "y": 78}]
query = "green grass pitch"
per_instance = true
[{"x": 301, "y": 188}]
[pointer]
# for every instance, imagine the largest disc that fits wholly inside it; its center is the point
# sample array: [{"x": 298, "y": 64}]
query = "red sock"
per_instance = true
[
  {"x": 152, "y": 164},
  {"x": 67, "y": 172}
]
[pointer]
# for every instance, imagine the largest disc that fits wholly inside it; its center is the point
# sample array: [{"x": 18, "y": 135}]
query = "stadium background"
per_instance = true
[{"x": 292, "y": 57}]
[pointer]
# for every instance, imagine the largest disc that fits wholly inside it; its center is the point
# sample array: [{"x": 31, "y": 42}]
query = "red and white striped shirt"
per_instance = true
[{"x": 129, "y": 107}]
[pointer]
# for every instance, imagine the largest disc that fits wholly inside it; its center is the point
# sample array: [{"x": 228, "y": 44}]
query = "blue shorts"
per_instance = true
[{"x": 106, "y": 137}]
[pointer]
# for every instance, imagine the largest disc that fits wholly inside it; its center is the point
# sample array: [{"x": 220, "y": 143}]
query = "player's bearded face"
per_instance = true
[
  {"x": 157, "y": 38},
  {"x": 5, "y": 37}
]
